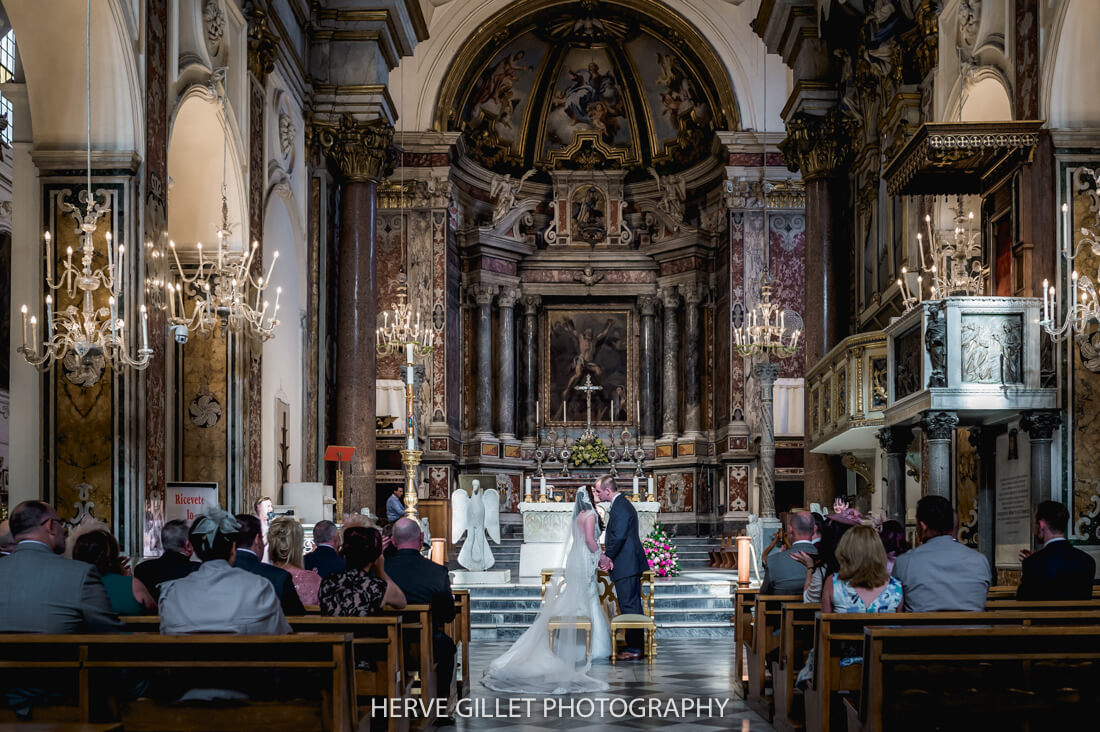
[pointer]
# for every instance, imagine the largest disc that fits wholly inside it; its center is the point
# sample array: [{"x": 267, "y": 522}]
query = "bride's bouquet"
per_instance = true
[{"x": 661, "y": 553}]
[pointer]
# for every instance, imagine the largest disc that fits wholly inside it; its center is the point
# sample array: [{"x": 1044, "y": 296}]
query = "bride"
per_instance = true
[{"x": 529, "y": 666}]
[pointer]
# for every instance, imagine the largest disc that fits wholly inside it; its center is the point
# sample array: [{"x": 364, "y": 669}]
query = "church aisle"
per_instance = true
[{"x": 671, "y": 695}]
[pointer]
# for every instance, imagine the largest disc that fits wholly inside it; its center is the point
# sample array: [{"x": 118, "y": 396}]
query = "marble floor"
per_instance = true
[{"x": 673, "y": 694}]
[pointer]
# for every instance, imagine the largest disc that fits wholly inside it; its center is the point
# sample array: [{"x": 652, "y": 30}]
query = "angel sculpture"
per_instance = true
[
  {"x": 673, "y": 191},
  {"x": 503, "y": 191},
  {"x": 474, "y": 515}
]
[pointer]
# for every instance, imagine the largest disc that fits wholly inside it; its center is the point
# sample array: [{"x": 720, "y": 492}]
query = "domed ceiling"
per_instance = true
[{"x": 588, "y": 85}]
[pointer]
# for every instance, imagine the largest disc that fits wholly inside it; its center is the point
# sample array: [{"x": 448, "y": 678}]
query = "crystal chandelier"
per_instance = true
[
  {"x": 767, "y": 328},
  {"x": 222, "y": 286},
  {"x": 91, "y": 331},
  {"x": 1083, "y": 310},
  {"x": 953, "y": 264}
]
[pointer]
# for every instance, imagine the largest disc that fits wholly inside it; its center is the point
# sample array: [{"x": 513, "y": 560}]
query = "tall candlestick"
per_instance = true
[
  {"x": 650, "y": 492},
  {"x": 34, "y": 333},
  {"x": 635, "y": 485},
  {"x": 536, "y": 413},
  {"x": 144, "y": 329},
  {"x": 49, "y": 257}
]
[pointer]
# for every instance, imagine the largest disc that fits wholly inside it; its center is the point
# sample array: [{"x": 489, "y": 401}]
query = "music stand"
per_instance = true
[{"x": 339, "y": 454}]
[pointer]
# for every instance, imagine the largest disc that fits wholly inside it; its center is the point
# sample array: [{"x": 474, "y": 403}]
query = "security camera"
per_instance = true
[{"x": 180, "y": 333}]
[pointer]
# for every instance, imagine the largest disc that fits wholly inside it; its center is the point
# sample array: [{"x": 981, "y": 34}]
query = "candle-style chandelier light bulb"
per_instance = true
[{"x": 1082, "y": 312}]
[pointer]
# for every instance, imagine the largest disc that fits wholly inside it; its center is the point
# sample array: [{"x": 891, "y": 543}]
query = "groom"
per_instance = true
[{"x": 624, "y": 559}]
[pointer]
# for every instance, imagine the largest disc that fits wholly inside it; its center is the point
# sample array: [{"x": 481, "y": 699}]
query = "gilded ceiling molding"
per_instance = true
[
  {"x": 817, "y": 145},
  {"x": 363, "y": 151},
  {"x": 263, "y": 44}
]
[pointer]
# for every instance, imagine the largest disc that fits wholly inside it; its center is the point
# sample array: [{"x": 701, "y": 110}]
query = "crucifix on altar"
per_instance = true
[{"x": 588, "y": 389}]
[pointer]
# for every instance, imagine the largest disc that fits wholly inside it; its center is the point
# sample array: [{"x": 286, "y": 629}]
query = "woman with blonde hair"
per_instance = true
[
  {"x": 285, "y": 539},
  {"x": 862, "y": 584}
]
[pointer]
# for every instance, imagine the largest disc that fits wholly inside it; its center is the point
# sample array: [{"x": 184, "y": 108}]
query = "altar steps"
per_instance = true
[
  {"x": 694, "y": 552},
  {"x": 695, "y": 605}
]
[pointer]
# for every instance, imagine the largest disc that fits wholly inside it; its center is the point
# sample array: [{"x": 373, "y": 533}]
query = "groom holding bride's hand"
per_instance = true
[{"x": 624, "y": 559}]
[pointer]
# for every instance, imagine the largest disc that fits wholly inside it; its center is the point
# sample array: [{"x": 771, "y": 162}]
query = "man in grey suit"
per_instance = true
[
  {"x": 47, "y": 593},
  {"x": 941, "y": 574},
  {"x": 784, "y": 575}
]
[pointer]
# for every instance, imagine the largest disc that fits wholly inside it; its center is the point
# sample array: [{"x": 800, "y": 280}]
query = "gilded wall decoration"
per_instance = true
[
  {"x": 879, "y": 375},
  {"x": 991, "y": 349}
]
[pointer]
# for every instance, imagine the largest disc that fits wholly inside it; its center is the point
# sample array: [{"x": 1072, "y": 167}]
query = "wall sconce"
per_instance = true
[
  {"x": 744, "y": 560},
  {"x": 439, "y": 552}
]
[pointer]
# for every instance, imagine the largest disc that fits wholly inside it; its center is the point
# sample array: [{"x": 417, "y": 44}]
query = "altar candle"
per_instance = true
[
  {"x": 144, "y": 329},
  {"x": 650, "y": 485},
  {"x": 121, "y": 253},
  {"x": 1046, "y": 302},
  {"x": 528, "y": 486},
  {"x": 49, "y": 318},
  {"x": 563, "y": 417},
  {"x": 24, "y": 311},
  {"x": 635, "y": 484},
  {"x": 542, "y": 485},
  {"x": 409, "y": 363},
  {"x": 536, "y": 417},
  {"x": 49, "y": 258},
  {"x": 34, "y": 333},
  {"x": 1065, "y": 226}
]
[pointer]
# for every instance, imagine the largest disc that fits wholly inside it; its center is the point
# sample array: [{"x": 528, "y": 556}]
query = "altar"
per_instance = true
[{"x": 546, "y": 526}]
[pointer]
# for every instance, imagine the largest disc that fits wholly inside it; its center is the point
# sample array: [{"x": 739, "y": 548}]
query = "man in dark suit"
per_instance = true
[
  {"x": 174, "y": 563},
  {"x": 325, "y": 558},
  {"x": 250, "y": 547},
  {"x": 624, "y": 558},
  {"x": 425, "y": 583},
  {"x": 783, "y": 574},
  {"x": 1059, "y": 570}
]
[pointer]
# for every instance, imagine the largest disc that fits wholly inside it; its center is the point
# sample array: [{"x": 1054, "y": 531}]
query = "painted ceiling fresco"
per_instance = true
[{"x": 587, "y": 85}]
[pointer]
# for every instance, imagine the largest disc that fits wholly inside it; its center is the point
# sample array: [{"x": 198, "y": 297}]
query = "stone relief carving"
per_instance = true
[
  {"x": 991, "y": 349},
  {"x": 907, "y": 367},
  {"x": 213, "y": 19},
  {"x": 970, "y": 18},
  {"x": 503, "y": 191},
  {"x": 672, "y": 191},
  {"x": 879, "y": 393}
]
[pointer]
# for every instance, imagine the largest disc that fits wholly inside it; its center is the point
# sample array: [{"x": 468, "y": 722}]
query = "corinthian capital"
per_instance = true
[
  {"x": 670, "y": 298},
  {"x": 483, "y": 294},
  {"x": 263, "y": 44},
  {"x": 817, "y": 144},
  {"x": 531, "y": 303},
  {"x": 361, "y": 150},
  {"x": 1040, "y": 425},
  {"x": 939, "y": 425},
  {"x": 694, "y": 293},
  {"x": 647, "y": 304},
  {"x": 508, "y": 297}
]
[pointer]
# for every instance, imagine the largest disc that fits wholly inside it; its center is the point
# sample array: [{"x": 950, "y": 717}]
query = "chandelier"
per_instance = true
[
  {"x": 766, "y": 329},
  {"x": 91, "y": 332},
  {"x": 1083, "y": 311},
  {"x": 222, "y": 285},
  {"x": 953, "y": 264}
]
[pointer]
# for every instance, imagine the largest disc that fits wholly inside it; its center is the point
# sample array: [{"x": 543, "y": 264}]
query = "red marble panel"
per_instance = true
[
  {"x": 501, "y": 266},
  {"x": 787, "y": 233},
  {"x": 610, "y": 276},
  {"x": 737, "y": 480},
  {"x": 256, "y": 182},
  {"x": 423, "y": 160},
  {"x": 736, "y": 298},
  {"x": 439, "y": 481},
  {"x": 438, "y": 444},
  {"x": 674, "y": 492},
  {"x": 752, "y": 159},
  {"x": 678, "y": 266},
  {"x": 390, "y": 248}
]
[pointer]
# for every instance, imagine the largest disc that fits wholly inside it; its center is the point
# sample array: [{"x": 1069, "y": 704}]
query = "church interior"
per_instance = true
[{"x": 455, "y": 261}]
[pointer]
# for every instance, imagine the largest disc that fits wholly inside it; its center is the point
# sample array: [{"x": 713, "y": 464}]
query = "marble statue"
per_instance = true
[{"x": 474, "y": 516}]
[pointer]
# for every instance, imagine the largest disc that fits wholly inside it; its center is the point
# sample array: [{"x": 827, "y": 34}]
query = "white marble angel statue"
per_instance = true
[{"x": 474, "y": 516}]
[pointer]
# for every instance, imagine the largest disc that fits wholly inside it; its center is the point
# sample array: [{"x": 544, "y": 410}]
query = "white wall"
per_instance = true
[{"x": 1073, "y": 68}]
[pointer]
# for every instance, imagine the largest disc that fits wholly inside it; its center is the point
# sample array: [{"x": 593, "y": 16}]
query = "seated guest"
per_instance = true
[
  {"x": 285, "y": 538},
  {"x": 1059, "y": 570},
  {"x": 7, "y": 543},
  {"x": 355, "y": 591},
  {"x": 784, "y": 574},
  {"x": 395, "y": 508},
  {"x": 127, "y": 595},
  {"x": 941, "y": 573},
  {"x": 218, "y": 597},
  {"x": 894, "y": 542},
  {"x": 425, "y": 583},
  {"x": 174, "y": 563},
  {"x": 325, "y": 558},
  {"x": 824, "y": 563},
  {"x": 43, "y": 591},
  {"x": 861, "y": 584},
  {"x": 250, "y": 547}
]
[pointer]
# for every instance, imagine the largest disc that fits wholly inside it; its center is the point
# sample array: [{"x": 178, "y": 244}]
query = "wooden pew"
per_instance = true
[
  {"x": 994, "y": 677},
  {"x": 796, "y": 638},
  {"x": 835, "y": 634},
  {"x": 767, "y": 615},
  {"x": 743, "y": 600},
  {"x": 86, "y": 667},
  {"x": 459, "y": 631},
  {"x": 416, "y": 629}
]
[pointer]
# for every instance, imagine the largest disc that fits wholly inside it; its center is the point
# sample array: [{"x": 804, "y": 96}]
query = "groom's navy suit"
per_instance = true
[{"x": 624, "y": 548}]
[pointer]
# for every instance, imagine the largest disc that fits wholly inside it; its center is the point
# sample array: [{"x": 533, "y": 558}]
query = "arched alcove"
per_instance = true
[
  {"x": 1072, "y": 100},
  {"x": 986, "y": 101},
  {"x": 195, "y": 159}
]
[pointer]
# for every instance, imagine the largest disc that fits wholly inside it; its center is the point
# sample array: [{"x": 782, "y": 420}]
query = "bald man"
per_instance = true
[{"x": 784, "y": 575}]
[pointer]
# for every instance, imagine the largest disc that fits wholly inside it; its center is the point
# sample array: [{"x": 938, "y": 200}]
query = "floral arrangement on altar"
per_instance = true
[
  {"x": 588, "y": 450},
  {"x": 660, "y": 552}
]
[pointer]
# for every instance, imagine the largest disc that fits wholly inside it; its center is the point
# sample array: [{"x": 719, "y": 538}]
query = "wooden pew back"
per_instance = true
[
  {"x": 840, "y": 635},
  {"x": 796, "y": 638},
  {"x": 992, "y": 677},
  {"x": 459, "y": 631},
  {"x": 767, "y": 616},
  {"x": 86, "y": 667},
  {"x": 743, "y": 600}
]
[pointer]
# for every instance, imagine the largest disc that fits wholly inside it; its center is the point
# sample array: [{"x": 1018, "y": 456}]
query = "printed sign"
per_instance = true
[{"x": 187, "y": 500}]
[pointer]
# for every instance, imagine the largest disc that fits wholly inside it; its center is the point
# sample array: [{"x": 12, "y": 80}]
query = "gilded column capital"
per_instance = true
[
  {"x": 363, "y": 151},
  {"x": 927, "y": 15},
  {"x": 816, "y": 144},
  {"x": 263, "y": 44}
]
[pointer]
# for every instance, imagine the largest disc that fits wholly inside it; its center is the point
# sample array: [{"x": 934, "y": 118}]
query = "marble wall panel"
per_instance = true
[
  {"x": 311, "y": 392},
  {"x": 391, "y": 254},
  {"x": 438, "y": 409},
  {"x": 203, "y": 401},
  {"x": 675, "y": 491},
  {"x": 257, "y": 102},
  {"x": 787, "y": 233},
  {"x": 455, "y": 328},
  {"x": 967, "y": 476},
  {"x": 737, "y": 480},
  {"x": 736, "y": 363},
  {"x": 439, "y": 481},
  {"x": 1086, "y": 389}
]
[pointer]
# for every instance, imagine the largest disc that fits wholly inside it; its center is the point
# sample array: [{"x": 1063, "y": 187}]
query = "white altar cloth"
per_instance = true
[{"x": 546, "y": 526}]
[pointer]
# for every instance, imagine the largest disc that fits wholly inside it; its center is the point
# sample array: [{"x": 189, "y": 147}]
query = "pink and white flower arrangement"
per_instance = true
[{"x": 661, "y": 553}]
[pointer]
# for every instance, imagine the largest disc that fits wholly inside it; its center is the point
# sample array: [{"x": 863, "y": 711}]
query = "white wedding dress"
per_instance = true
[{"x": 529, "y": 666}]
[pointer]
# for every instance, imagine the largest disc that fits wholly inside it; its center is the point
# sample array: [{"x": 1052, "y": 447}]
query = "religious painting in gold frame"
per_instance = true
[
  {"x": 588, "y": 214},
  {"x": 582, "y": 343}
]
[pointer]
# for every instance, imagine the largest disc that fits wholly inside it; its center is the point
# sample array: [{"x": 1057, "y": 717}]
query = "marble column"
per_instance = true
[
  {"x": 362, "y": 152},
  {"x": 530, "y": 364},
  {"x": 506, "y": 373},
  {"x": 766, "y": 373},
  {"x": 985, "y": 440},
  {"x": 1040, "y": 427},
  {"x": 693, "y": 346},
  {"x": 647, "y": 305},
  {"x": 483, "y": 296},
  {"x": 670, "y": 423},
  {"x": 938, "y": 428},
  {"x": 819, "y": 146},
  {"x": 894, "y": 441}
]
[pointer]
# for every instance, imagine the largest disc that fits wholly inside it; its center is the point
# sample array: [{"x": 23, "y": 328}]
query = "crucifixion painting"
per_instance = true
[{"x": 587, "y": 359}]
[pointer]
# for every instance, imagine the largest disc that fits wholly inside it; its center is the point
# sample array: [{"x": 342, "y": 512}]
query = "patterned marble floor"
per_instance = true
[{"x": 687, "y": 671}]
